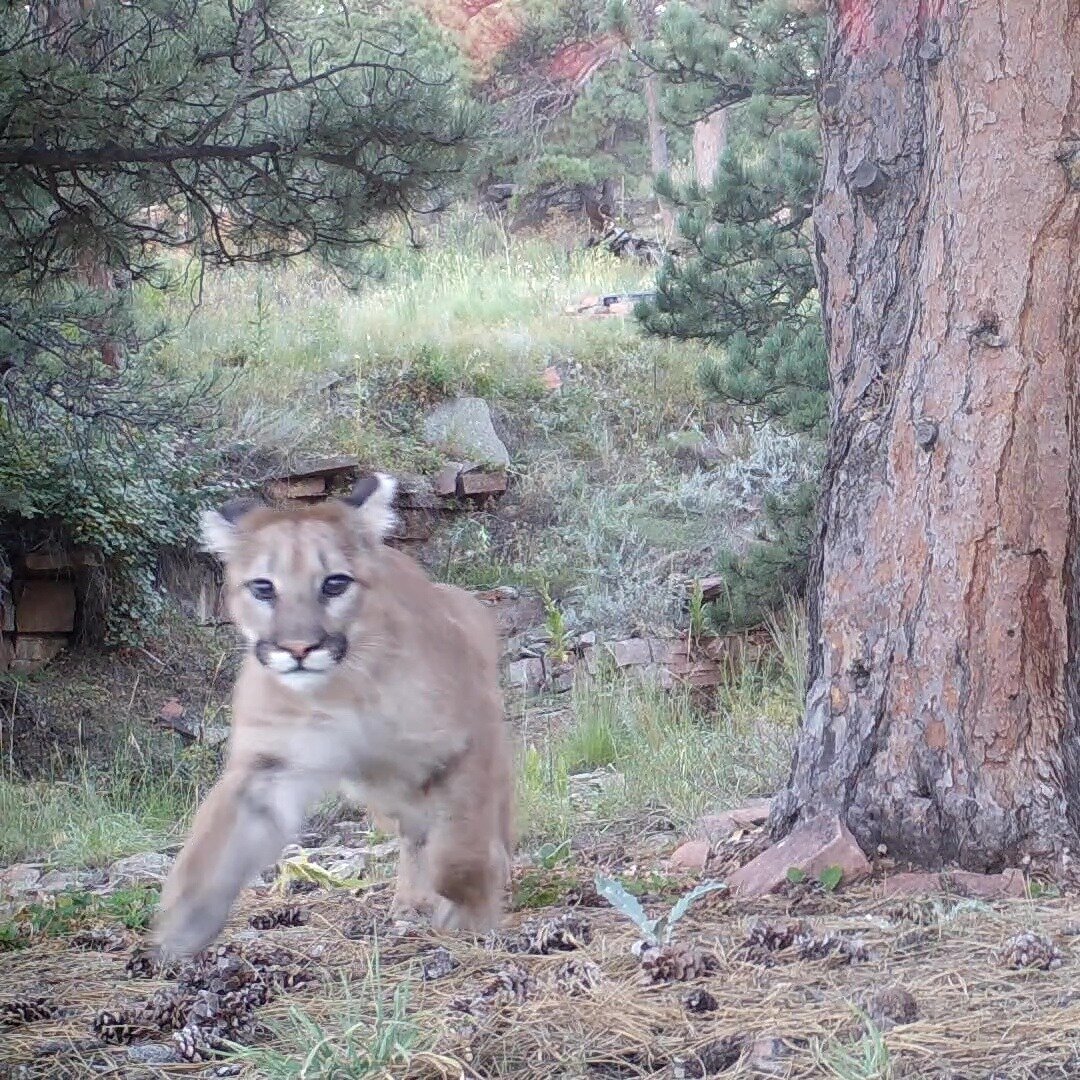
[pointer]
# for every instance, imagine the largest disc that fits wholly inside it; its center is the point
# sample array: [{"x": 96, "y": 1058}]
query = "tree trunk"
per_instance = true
[
  {"x": 943, "y": 701},
  {"x": 709, "y": 142},
  {"x": 659, "y": 159}
]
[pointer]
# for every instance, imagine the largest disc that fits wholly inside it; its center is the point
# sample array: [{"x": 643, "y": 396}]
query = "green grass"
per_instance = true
[
  {"x": 67, "y": 912},
  {"x": 669, "y": 757},
  {"x": 98, "y": 815},
  {"x": 362, "y": 1031}
]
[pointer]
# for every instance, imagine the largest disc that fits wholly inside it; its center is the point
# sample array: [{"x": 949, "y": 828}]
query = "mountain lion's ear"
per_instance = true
[
  {"x": 373, "y": 500},
  {"x": 219, "y": 527}
]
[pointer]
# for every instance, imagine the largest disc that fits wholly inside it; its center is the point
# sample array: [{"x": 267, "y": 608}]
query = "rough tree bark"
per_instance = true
[
  {"x": 709, "y": 143},
  {"x": 943, "y": 705}
]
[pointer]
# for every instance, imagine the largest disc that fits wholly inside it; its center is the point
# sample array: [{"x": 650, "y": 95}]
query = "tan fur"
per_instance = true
[{"x": 411, "y": 717}]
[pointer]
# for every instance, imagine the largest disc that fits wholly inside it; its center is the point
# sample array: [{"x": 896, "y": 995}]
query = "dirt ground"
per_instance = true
[{"x": 846, "y": 984}]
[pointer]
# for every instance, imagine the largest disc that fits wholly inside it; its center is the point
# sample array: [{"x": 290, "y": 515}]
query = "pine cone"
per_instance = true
[
  {"x": 1030, "y": 950},
  {"x": 677, "y": 963},
  {"x": 562, "y": 934},
  {"x": 439, "y": 963},
  {"x": 30, "y": 1010},
  {"x": 700, "y": 1001},
  {"x": 121, "y": 1026},
  {"x": 147, "y": 964},
  {"x": 715, "y": 1057},
  {"x": 286, "y": 916},
  {"x": 195, "y": 1044},
  {"x": 107, "y": 940},
  {"x": 578, "y": 975},
  {"x": 168, "y": 1009},
  {"x": 892, "y": 1006},
  {"x": 836, "y": 948},
  {"x": 764, "y": 938}
]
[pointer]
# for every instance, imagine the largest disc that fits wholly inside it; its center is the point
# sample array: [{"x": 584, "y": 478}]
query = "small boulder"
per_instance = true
[
  {"x": 464, "y": 427},
  {"x": 812, "y": 846},
  {"x": 692, "y": 855},
  {"x": 19, "y": 878},
  {"x": 146, "y": 868}
]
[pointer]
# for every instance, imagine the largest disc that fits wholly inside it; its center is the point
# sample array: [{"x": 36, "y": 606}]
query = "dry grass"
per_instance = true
[{"x": 374, "y": 1014}]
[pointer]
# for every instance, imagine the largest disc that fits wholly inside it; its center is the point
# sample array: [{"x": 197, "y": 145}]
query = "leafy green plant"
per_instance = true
[
  {"x": 829, "y": 878},
  {"x": 551, "y": 855},
  {"x": 658, "y": 931},
  {"x": 558, "y": 631}
]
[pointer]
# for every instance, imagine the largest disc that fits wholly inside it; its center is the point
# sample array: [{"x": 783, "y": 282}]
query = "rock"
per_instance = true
[
  {"x": 476, "y": 482},
  {"x": 147, "y": 868},
  {"x": 19, "y": 878},
  {"x": 214, "y": 735},
  {"x": 33, "y": 652},
  {"x": 718, "y": 827},
  {"x": 691, "y": 855},
  {"x": 551, "y": 378},
  {"x": 153, "y": 1054},
  {"x": 464, "y": 427},
  {"x": 45, "y": 607},
  {"x": 171, "y": 711},
  {"x": 1009, "y": 883},
  {"x": 58, "y": 881},
  {"x": 811, "y": 847},
  {"x": 299, "y": 487},
  {"x": 446, "y": 479},
  {"x": 526, "y": 674},
  {"x": 633, "y": 652}
]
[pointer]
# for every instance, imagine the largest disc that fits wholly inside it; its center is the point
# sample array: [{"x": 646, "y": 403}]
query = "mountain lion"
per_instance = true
[{"x": 359, "y": 673}]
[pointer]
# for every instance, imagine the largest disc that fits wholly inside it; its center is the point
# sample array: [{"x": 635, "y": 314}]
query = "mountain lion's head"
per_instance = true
[{"x": 297, "y": 579}]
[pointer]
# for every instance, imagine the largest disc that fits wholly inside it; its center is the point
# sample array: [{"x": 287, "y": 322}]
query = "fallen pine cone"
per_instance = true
[
  {"x": 195, "y": 1044},
  {"x": 121, "y": 1026},
  {"x": 28, "y": 1010},
  {"x": 578, "y": 976},
  {"x": 109, "y": 941},
  {"x": 891, "y": 1007},
  {"x": 677, "y": 963},
  {"x": 1030, "y": 950},
  {"x": 700, "y": 1001},
  {"x": 272, "y": 920},
  {"x": 145, "y": 963},
  {"x": 562, "y": 934},
  {"x": 715, "y": 1057}
]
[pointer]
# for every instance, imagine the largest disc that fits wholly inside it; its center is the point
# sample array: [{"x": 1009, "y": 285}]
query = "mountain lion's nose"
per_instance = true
[{"x": 297, "y": 649}]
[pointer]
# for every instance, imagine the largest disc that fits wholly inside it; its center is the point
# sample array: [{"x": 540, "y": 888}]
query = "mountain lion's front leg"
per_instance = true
[{"x": 253, "y": 811}]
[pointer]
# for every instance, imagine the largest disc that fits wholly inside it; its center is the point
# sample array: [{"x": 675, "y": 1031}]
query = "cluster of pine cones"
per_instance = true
[
  {"x": 213, "y": 1000},
  {"x": 564, "y": 933},
  {"x": 765, "y": 940}
]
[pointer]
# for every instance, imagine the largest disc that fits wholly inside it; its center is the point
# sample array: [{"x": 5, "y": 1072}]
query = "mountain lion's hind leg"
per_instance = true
[{"x": 253, "y": 811}]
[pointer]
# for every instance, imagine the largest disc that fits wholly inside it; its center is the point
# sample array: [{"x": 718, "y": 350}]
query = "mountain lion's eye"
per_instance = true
[
  {"x": 261, "y": 589},
  {"x": 336, "y": 584}
]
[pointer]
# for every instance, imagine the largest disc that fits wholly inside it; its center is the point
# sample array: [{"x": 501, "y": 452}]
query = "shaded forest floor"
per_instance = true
[
  {"x": 626, "y": 483},
  {"x": 810, "y": 984}
]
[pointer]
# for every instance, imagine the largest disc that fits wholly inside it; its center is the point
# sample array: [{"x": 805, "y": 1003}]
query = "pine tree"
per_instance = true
[
  {"x": 232, "y": 132},
  {"x": 746, "y": 282},
  {"x": 140, "y": 142}
]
